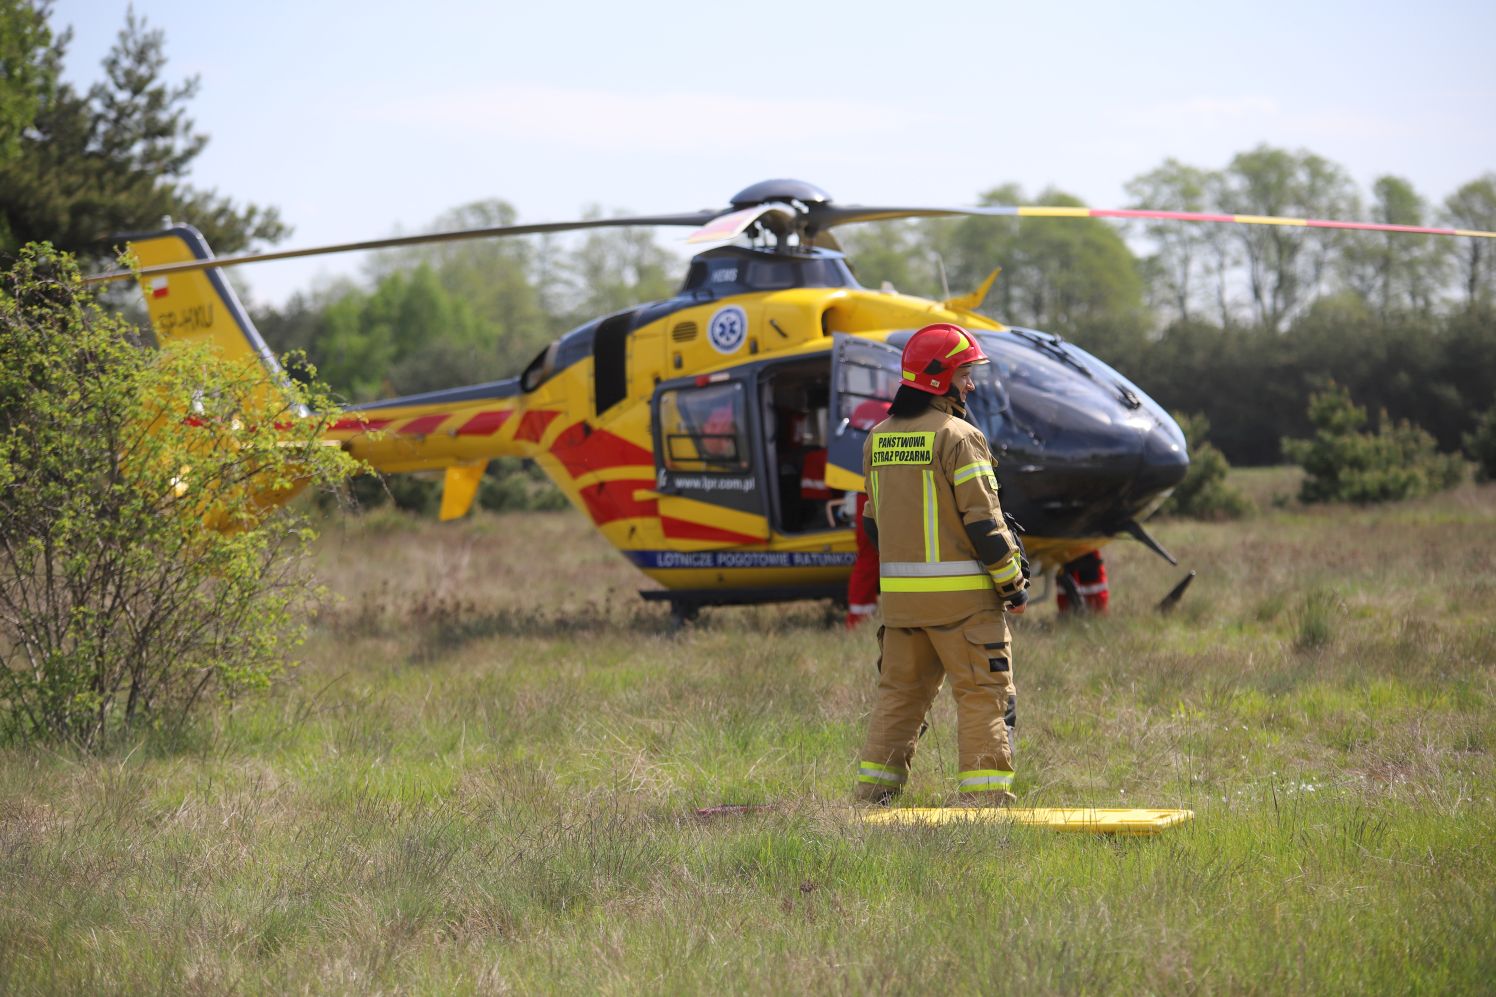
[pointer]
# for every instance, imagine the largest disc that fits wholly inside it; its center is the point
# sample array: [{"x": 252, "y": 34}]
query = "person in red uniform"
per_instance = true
[
  {"x": 814, "y": 494},
  {"x": 1088, "y": 574},
  {"x": 719, "y": 437},
  {"x": 862, "y": 586}
]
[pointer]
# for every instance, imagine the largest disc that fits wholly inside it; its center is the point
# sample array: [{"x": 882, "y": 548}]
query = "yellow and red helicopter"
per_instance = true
[{"x": 684, "y": 428}]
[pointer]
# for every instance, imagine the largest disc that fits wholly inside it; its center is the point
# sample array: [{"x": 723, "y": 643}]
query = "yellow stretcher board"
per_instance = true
[{"x": 1091, "y": 820}]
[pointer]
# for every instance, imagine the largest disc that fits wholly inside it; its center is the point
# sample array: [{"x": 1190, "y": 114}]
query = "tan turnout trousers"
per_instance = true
[{"x": 976, "y": 655}]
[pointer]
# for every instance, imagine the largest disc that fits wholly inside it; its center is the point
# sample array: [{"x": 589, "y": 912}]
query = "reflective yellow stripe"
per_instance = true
[
  {"x": 961, "y": 344},
  {"x": 932, "y": 518},
  {"x": 955, "y": 583},
  {"x": 977, "y": 469},
  {"x": 873, "y": 493},
  {"x": 978, "y": 780},
  {"x": 1007, "y": 572},
  {"x": 970, "y": 470},
  {"x": 882, "y": 775}
]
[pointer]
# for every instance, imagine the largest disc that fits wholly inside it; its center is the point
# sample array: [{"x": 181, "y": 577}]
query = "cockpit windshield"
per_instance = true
[{"x": 1036, "y": 388}]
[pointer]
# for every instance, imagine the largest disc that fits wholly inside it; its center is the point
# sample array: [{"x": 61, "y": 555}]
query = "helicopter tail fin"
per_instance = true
[
  {"x": 459, "y": 488},
  {"x": 195, "y": 306},
  {"x": 971, "y": 302}
]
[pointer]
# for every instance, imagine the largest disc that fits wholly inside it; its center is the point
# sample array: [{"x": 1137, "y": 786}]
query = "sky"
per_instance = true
[{"x": 362, "y": 120}]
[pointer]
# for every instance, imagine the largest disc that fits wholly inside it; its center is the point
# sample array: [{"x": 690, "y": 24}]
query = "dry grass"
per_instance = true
[{"x": 483, "y": 781}]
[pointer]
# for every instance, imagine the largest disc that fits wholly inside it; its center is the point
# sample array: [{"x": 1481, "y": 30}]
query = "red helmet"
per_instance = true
[{"x": 933, "y": 353}]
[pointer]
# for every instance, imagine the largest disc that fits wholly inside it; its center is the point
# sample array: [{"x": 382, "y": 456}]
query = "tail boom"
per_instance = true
[{"x": 444, "y": 428}]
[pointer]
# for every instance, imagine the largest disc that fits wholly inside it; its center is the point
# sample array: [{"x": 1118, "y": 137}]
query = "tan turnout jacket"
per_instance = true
[{"x": 927, "y": 478}]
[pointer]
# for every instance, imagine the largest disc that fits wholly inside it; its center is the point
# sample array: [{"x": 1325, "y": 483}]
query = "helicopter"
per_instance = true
[{"x": 684, "y": 428}]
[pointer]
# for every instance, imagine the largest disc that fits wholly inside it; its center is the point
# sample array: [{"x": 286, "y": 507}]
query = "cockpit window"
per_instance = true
[
  {"x": 1130, "y": 393},
  {"x": 865, "y": 384},
  {"x": 988, "y": 404},
  {"x": 540, "y": 369},
  {"x": 1022, "y": 366}
]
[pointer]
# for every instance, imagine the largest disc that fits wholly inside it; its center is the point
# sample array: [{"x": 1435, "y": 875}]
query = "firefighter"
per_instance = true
[{"x": 948, "y": 568}]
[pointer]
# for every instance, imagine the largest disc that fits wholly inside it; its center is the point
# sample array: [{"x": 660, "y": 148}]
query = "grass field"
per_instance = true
[{"x": 484, "y": 775}]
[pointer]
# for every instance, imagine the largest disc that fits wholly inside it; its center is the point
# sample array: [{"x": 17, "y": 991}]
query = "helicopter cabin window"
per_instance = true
[
  {"x": 705, "y": 429},
  {"x": 865, "y": 386}
]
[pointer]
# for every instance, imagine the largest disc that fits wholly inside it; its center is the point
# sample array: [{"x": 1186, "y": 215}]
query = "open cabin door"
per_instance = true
[
  {"x": 710, "y": 492},
  {"x": 864, "y": 376}
]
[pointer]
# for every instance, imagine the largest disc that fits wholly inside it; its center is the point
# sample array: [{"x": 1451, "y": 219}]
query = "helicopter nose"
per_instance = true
[{"x": 1165, "y": 461}]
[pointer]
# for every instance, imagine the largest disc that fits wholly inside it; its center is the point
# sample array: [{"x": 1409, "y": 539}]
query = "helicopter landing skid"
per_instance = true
[{"x": 686, "y": 604}]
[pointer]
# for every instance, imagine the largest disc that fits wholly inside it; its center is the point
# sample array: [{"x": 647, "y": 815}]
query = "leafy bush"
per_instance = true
[
  {"x": 1481, "y": 445},
  {"x": 1345, "y": 463},
  {"x": 145, "y": 567},
  {"x": 1204, "y": 494},
  {"x": 514, "y": 484}
]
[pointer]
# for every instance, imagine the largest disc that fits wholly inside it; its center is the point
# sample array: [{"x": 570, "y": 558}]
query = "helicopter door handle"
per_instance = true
[{"x": 841, "y": 427}]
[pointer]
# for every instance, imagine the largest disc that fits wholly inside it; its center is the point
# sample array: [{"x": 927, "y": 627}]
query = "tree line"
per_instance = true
[
  {"x": 1242, "y": 323},
  {"x": 1239, "y": 324}
]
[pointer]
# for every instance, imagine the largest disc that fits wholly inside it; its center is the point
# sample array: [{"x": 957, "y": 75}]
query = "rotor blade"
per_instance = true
[
  {"x": 693, "y": 219},
  {"x": 825, "y": 240},
  {"x": 827, "y": 216},
  {"x": 734, "y": 224}
]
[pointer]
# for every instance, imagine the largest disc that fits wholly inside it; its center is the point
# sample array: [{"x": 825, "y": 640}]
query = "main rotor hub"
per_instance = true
[{"x": 766, "y": 191}]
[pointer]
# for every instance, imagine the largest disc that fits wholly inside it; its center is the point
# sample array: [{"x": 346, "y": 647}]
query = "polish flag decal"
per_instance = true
[{"x": 158, "y": 287}]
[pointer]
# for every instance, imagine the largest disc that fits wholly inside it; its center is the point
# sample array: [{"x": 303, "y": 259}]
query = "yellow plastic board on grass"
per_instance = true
[{"x": 1093, "y": 820}]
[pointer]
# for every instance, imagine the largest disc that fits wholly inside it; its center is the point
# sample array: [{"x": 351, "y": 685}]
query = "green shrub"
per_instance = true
[
  {"x": 1481, "y": 445},
  {"x": 513, "y": 485},
  {"x": 144, "y": 565},
  {"x": 1345, "y": 463},
  {"x": 1204, "y": 494},
  {"x": 1315, "y": 619}
]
